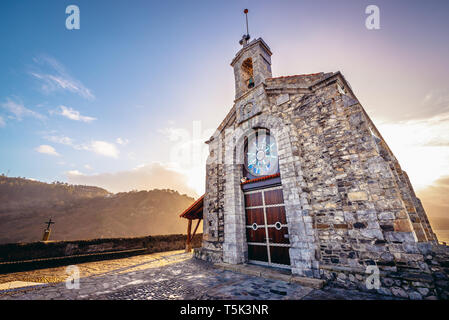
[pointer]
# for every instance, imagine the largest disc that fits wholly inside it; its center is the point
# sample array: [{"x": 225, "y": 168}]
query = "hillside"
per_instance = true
[
  {"x": 19, "y": 193},
  {"x": 83, "y": 212}
]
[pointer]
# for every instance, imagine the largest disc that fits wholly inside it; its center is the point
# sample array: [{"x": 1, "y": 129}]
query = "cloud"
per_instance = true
[
  {"x": 46, "y": 149},
  {"x": 74, "y": 173},
  {"x": 2, "y": 122},
  {"x": 55, "y": 77},
  {"x": 435, "y": 102},
  {"x": 60, "y": 139},
  {"x": 435, "y": 201},
  {"x": 145, "y": 177},
  {"x": 422, "y": 148},
  {"x": 121, "y": 141},
  {"x": 103, "y": 148},
  {"x": 73, "y": 114},
  {"x": 431, "y": 131},
  {"x": 435, "y": 197},
  {"x": 18, "y": 111},
  {"x": 415, "y": 142}
]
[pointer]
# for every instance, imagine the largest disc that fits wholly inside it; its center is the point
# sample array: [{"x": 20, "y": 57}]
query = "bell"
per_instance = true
[{"x": 251, "y": 83}]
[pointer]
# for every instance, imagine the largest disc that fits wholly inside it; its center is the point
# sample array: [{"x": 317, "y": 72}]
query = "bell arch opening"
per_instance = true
[{"x": 247, "y": 75}]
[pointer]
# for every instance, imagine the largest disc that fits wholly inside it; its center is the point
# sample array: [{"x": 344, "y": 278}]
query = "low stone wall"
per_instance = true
[
  {"x": 36, "y": 253},
  {"x": 213, "y": 256},
  {"x": 400, "y": 283}
]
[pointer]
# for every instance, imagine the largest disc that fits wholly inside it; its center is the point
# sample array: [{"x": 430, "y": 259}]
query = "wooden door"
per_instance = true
[{"x": 266, "y": 227}]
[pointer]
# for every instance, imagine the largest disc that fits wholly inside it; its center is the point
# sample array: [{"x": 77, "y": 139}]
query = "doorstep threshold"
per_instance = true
[{"x": 271, "y": 273}]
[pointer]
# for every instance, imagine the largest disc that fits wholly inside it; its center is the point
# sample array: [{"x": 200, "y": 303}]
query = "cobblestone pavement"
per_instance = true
[
  {"x": 173, "y": 275},
  {"x": 58, "y": 274}
]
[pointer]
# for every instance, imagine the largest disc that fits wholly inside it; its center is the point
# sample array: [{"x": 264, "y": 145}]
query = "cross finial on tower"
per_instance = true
[{"x": 245, "y": 37}]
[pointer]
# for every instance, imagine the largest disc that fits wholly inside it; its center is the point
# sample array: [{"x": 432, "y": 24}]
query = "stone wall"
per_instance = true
[
  {"x": 97, "y": 249},
  {"x": 403, "y": 284}
]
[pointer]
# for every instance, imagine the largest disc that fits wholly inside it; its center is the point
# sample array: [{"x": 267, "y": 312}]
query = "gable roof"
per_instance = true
[{"x": 195, "y": 211}]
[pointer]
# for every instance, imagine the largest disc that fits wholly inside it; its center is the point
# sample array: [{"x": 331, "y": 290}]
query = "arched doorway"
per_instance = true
[{"x": 266, "y": 224}]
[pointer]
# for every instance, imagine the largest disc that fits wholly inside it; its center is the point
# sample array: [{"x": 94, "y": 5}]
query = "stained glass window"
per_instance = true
[{"x": 261, "y": 155}]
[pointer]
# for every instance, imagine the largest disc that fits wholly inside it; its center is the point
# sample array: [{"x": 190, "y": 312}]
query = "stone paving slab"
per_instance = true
[
  {"x": 176, "y": 276},
  {"x": 271, "y": 273}
]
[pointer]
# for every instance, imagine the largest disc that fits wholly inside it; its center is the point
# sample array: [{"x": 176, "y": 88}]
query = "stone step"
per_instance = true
[{"x": 269, "y": 273}]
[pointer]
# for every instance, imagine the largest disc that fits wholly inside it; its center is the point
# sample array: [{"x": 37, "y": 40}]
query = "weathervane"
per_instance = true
[
  {"x": 245, "y": 37},
  {"x": 47, "y": 230}
]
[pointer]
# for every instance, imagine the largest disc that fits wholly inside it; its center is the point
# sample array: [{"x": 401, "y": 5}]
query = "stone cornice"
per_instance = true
[
  {"x": 246, "y": 93},
  {"x": 248, "y": 47}
]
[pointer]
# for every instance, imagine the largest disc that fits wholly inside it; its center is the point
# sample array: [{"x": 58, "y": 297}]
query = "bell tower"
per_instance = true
[{"x": 252, "y": 64}]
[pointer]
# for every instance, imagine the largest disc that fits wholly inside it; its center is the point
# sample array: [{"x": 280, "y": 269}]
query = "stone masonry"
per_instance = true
[{"x": 348, "y": 203}]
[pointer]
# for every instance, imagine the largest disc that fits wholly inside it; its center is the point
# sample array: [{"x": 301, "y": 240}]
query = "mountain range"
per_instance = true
[{"x": 85, "y": 212}]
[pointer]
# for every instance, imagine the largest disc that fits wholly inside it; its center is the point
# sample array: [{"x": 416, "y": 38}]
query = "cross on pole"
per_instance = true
[{"x": 49, "y": 223}]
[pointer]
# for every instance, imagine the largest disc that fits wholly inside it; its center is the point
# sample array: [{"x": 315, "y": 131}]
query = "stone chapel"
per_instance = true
[{"x": 298, "y": 177}]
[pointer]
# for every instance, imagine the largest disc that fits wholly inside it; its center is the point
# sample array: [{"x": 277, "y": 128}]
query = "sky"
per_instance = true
[{"x": 126, "y": 101}]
